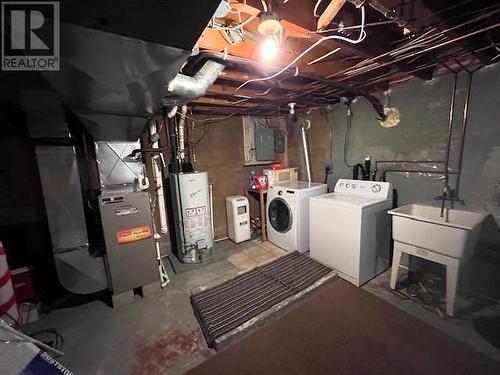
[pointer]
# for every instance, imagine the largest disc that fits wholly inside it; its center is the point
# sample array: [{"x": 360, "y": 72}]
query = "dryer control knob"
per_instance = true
[
  {"x": 280, "y": 192},
  {"x": 376, "y": 188}
]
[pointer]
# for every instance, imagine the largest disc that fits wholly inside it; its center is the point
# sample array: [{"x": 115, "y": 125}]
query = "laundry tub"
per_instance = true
[{"x": 419, "y": 230}]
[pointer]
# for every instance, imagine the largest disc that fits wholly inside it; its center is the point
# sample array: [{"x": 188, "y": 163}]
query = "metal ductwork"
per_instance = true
[{"x": 184, "y": 88}]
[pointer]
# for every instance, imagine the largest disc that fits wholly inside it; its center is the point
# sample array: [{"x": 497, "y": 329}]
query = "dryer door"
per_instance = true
[{"x": 279, "y": 215}]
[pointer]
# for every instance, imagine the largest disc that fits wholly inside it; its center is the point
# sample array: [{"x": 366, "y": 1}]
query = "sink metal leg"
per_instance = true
[
  {"x": 396, "y": 259},
  {"x": 452, "y": 269},
  {"x": 451, "y": 287}
]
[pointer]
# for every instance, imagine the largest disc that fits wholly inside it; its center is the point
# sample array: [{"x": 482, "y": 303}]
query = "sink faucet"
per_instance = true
[
  {"x": 443, "y": 198},
  {"x": 448, "y": 195}
]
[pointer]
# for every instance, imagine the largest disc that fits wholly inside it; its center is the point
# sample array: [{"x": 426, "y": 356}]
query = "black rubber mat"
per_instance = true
[{"x": 229, "y": 305}]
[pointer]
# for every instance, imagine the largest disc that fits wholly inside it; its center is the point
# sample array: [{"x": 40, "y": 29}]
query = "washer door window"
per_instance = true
[{"x": 280, "y": 215}]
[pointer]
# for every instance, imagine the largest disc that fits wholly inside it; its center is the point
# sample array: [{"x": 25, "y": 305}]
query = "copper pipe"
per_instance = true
[
  {"x": 464, "y": 128},
  {"x": 416, "y": 171},
  {"x": 374, "y": 173},
  {"x": 450, "y": 122}
]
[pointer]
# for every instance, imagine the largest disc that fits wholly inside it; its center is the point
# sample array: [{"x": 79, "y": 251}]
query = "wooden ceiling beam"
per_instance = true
[
  {"x": 224, "y": 102},
  {"x": 220, "y": 89},
  {"x": 242, "y": 77},
  {"x": 329, "y": 14},
  {"x": 377, "y": 42}
]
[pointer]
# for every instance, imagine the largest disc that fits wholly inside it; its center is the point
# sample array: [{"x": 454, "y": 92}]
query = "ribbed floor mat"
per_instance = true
[{"x": 227, "y": 306}]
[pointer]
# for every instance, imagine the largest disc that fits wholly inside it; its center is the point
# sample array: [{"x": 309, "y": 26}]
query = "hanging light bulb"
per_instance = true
[
  {"x": 269, "y": 48},
  {"x": 269, "y": 26},
  {"x": 269, "y": 23}
]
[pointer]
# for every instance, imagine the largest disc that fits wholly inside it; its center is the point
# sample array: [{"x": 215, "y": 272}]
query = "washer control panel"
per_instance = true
[{"x": 372, "y": 189}]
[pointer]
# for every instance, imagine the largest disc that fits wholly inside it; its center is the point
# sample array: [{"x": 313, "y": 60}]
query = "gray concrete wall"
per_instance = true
[
  {"x": 220, "y": 153},
  {"x": 422, "y": 134},
  {"x": 319, "y": 146}
]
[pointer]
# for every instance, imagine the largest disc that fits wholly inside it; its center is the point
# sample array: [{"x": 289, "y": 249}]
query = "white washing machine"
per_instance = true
[
  {"x": 288, "y": 213},
  {"x": 350, "y": 229}
]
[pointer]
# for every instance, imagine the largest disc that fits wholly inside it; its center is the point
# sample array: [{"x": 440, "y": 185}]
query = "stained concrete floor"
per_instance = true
[{"x": 160, "y": 334}]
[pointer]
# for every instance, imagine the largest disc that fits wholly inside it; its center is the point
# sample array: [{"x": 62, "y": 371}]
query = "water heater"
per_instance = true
[{"x": 191, "y": 206}]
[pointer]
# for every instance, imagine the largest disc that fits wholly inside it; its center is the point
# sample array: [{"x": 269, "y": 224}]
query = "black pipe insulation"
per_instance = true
[
  {"x": 355, "y": 171},
  {"x": 367, "y": 170},
  {"x": 148, "y": 150}
]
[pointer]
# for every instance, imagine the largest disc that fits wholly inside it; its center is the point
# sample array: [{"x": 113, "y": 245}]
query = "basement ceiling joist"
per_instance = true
[{"x": 405, "y": 40}]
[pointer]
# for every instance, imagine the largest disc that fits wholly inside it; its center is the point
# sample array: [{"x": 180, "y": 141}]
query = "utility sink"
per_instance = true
[
  {"x": 419, "y": 230},
  {"x": 454, "y": 235}
]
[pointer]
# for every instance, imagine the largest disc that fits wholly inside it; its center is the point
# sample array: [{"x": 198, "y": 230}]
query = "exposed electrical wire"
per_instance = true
[
  {"x": 431, "y": 38},
  {"x": 380, "y": 23},
  {"x": 210, "y": 119},
  {"x": 264, "y": 5},
  {"x": 239, "y": 11},
  {"x": 323, "y": 56},
  {"x": 264, "y": 92},
  {"x": 239, "y": 26},
  {"x": 315, "y": 11},
  {"x": 226, "y": 37},
  {"x": 361, "y": 37},
  {"x": 347, "y": 135}
]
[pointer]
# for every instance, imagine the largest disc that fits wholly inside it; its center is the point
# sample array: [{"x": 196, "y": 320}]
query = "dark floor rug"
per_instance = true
[
  {"x": 341, "y": 329},
  {"x": 227, "y": 306}
]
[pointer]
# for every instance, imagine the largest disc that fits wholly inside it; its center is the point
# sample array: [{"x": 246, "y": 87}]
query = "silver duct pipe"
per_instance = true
[
  {"x": 196, "y": 86},
  {"x": 305, "y": 126}
]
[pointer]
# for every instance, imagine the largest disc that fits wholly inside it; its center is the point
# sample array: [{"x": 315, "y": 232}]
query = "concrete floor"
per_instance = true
[{"x": 160, "y": 334}]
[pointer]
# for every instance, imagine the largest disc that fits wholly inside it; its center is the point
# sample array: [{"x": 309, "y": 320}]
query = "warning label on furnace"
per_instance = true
[{"x": 133, "y": 234}]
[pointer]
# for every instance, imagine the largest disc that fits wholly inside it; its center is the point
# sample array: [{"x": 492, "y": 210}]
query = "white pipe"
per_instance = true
[
  {"x": 157, "y": 175},
  {"x": 306, "y": 125},
  {"x": 182, "y": 125},
  {"x": 211, "y": 198},
  {"x": 158, "y": 162},
  {"x": 172, "y": 112},
  {"x": 164, "y": 279}
]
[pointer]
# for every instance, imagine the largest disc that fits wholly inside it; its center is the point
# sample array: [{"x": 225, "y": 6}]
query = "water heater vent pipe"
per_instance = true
[
  {"x": 158, "y": 179},
  {"x": 306, "y": 124}
]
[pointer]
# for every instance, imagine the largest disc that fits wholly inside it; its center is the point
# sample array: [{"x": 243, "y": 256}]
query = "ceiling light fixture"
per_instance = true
[
  {"x": 269, "y": 26},
  {"x": 269, "y": 23}
]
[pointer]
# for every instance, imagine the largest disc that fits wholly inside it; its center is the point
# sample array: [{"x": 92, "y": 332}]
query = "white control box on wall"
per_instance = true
[{"x": 238, "y": 218}]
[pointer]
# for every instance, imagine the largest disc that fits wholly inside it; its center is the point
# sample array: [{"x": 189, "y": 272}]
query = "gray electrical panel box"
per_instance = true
[
  {"x": 264, "y": 142},
  {"x": 130, "y": 246}
]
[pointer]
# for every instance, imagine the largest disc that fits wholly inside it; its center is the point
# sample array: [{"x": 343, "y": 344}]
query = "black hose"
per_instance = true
[
  {"x": 147, "y": 150},
  {"x": 348, "y": 135},
  {"x": 355, "y": 171}
]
